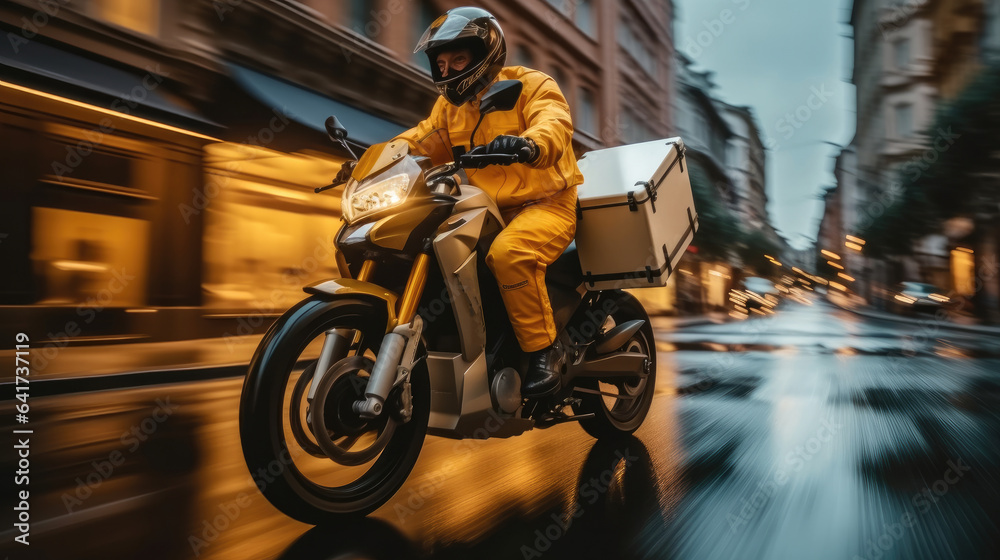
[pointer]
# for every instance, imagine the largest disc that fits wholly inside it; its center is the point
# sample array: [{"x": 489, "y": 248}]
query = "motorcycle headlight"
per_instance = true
[{"x": 376, "y": 193}]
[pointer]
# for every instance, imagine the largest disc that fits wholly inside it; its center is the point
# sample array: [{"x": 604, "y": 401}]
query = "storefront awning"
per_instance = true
[
  {"x": 311, "y": 109},
  {"x": 63, "y": 72}
]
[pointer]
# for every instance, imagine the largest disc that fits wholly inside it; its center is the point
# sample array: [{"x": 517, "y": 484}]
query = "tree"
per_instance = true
[
  {"x": 718, "y": 228},
  {"x": 957, "y": 176},
  {"x": 951, "y": 178}
]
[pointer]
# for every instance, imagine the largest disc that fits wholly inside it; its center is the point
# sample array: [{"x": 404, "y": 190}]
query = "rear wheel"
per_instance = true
[
  {"x": 624, "y": 401},
  {"x": 321, "y": 464}
]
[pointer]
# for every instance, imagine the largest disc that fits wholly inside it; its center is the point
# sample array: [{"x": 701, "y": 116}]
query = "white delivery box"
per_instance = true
[{"x": 635, "y": 214}]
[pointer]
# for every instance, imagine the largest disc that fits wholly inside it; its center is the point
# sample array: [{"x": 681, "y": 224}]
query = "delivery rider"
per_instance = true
[{"x": 537, "y": 198}]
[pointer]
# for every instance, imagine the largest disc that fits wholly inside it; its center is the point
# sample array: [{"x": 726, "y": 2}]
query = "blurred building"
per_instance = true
[
  {"x": 845, "y": 207},
  {"x": 908, "y": 58},
  {"x": 852, "y": 203},
  {"x": 159, "y": 157},
  {"x": 853, "y": 206},
  {"x": 893, "y": 73},
  {"x": 705, "y": 131},
  {"x": 706, "y": 134},
  {"x": 726, "y": 153},
  {"x": 960, "y": 36},
  {"x": 745, "y": 160},
  {"x": 803, "y": 259},
  {"x": 990, "y": 40},
  {"x": 831, "y": 226}
]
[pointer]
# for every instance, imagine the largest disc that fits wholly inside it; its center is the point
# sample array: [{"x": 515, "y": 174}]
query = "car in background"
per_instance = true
[
  {"x": 917, "y": 297},
  {"x": 758, "y": 295}
]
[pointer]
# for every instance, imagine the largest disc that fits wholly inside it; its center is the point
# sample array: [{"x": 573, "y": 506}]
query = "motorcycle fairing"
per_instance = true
[
  {"x": 346, "y": 287},
  {"x": 379, "y": 158},
  {"x": 461, "y": 405}
]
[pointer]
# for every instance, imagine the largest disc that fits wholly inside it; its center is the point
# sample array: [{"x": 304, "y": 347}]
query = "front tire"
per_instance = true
[
  {"x": 626, "y": 400},
  {"x": 305, "y": 487}
]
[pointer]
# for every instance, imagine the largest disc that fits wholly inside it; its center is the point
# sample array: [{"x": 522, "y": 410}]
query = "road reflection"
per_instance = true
[
  {"x": 111, "y": 478},
  {"x": 616, "y": 498},
  {"x": 793, "y": 447}
]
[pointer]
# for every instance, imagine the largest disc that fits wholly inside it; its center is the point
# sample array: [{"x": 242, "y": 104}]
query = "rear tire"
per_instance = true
[
  {"x": 616, "y": 417},
  {"x": 270, "y": 448}
]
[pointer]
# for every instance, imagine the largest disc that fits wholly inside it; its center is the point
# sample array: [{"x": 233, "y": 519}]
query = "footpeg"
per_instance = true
[{"x": 549, "y": 421}]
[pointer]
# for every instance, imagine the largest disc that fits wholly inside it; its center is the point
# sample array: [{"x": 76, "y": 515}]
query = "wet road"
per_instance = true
[{"x": 807, "y": 434}]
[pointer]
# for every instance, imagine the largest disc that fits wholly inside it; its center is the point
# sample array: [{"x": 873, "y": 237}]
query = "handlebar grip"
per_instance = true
[{"x": 477, "y": 161}]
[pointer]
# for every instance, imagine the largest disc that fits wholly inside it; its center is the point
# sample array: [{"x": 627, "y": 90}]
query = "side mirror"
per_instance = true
[
  {"x": 502, "y": 96},
  {"x": 338, "y": 133}
]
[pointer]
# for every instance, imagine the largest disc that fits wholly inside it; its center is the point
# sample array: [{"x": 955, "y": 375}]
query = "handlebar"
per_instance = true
[
  {"x": 470, "y": 160},
  {"x": 479, "y": 161},
  {"x": 332, "y": 185}
]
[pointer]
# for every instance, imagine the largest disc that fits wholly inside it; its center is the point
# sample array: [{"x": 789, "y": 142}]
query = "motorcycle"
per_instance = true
[{"x": 413, "y": 339}]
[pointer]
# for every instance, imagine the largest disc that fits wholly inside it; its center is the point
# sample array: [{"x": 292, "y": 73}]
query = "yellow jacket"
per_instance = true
[{"x": 542, "y": 114}]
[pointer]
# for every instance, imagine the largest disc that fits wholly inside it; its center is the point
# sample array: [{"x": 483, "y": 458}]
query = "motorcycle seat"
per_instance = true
[
  {"x": 562, "y": 279},
  {"x": 565, "y": 272}
]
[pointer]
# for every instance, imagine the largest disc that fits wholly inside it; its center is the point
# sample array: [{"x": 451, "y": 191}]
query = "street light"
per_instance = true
[
  {"x": 835, "y": 265},
  {"x": 830, "y": 254}
]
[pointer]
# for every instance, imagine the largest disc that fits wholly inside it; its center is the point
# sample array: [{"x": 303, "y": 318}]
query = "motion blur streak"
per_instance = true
[{"x": 853, "y": 444}]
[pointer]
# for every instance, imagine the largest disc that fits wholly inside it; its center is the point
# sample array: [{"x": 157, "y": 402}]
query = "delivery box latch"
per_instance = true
[{"x": 650, "y": 193}]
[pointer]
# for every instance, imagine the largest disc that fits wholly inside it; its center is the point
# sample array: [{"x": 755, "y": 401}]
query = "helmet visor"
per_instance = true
[{"x": 448, "y": 28}]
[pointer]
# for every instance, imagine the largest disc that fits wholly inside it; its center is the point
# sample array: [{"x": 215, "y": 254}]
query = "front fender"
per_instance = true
[{"x": 347, "y": 287}]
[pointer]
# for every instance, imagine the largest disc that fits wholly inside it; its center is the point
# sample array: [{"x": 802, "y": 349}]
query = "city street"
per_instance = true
[
  {"x": 812, "y": 433},
  {"x": 379, "y": 204}
]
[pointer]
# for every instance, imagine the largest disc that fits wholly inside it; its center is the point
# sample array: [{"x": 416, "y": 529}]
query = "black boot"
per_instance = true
[{"x": 543, "y": 372}]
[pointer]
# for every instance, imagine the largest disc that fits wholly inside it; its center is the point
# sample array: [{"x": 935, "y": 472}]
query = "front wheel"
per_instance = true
[
  {"x": 623, "y": 402},
  {"x": 283, "y": 443}
]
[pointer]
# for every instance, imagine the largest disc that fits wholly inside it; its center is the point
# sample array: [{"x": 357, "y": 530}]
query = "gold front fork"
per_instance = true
[
  {"x": 414, "y": 289},
  {"x": 367, "y": 269},
  {"x": 398, "y": 348}
]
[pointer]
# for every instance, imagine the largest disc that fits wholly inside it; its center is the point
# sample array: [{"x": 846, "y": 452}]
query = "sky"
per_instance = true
[{"x": 790, "y": 62}]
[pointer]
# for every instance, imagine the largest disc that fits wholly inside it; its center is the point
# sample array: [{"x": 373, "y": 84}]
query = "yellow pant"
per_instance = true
[{"x": 534, "y": 238}]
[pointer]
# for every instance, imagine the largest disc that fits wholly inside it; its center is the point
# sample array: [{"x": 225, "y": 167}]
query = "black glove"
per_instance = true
[
  {"x": 524, "y": 148},
  {"x": 346, "y": 169}
]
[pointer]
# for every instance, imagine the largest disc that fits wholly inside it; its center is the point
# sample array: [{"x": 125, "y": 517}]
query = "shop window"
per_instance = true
[
  {"x": 265, "y": 238},
  {"x": 95, "y": 260},
  {"x": 88, "y": 165}
]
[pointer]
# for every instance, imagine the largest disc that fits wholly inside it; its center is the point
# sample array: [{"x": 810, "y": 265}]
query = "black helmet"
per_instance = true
[{"x": 474, "y": 29}]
